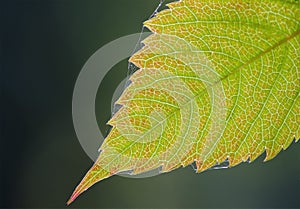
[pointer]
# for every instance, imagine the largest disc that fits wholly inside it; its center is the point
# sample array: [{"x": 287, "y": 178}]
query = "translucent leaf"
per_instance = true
[{"x": 218, "y": 81}]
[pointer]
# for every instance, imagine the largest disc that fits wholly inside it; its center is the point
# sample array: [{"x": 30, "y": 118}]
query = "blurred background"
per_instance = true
[{"x": 44, "y": 44}]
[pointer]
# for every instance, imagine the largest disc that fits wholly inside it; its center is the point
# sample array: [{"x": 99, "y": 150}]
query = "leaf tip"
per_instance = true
[
  {"x": 72, "y": 198},
  {"x": 78, "y": 191},
  {"x": 94, "y": 175}
]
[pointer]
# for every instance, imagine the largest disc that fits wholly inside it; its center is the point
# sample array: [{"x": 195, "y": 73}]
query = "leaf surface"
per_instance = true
[{"x": 218, "y": 80}]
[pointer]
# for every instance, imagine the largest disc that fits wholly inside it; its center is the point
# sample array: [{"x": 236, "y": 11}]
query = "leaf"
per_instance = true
[{"x": 218, "y": 80}]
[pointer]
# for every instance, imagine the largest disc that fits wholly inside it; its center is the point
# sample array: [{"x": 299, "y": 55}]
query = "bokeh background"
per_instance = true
[{"x": 44, "y": 44}]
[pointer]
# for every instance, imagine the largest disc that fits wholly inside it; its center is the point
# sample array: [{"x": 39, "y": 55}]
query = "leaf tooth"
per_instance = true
[
  {"x": 122, "y": 100},
  {"x": 187, "y": 161},
  {"x": 235, "y": 161},
  {"x": 271, "y": 153},
  {"x": 112, "y": 121},
  {"x": 128, "y": 93},
  {"x": 174, "y": 4},
  {"x": 153, "y": 22},
  {"x": 114, "y": 118},
  {"x": 202, "y": 166},
  {"x": 254, "y": 155},
  {"x": 169, "y": 167},
  {"x": 289, "y": 142},
  {"x": 148, "y": 24},
  {"x": 136, "y": 59}
]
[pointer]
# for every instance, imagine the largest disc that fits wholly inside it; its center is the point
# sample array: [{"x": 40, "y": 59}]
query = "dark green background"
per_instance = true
[{"x": 44, "y": 44}]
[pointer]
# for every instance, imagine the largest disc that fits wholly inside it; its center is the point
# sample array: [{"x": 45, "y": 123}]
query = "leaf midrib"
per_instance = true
[
  {"x": 229, "y": 74},
  {"x": 293, "y": 35}
]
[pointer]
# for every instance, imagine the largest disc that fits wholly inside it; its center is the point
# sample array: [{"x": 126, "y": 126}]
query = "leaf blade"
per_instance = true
[{"x": 253, "y": 49}]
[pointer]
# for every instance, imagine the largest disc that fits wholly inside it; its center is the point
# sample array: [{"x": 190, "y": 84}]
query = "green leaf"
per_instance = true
[{"x": 218, "y": 80}]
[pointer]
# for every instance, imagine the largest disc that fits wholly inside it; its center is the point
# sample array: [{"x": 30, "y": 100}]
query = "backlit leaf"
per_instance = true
[{"x": 218, "y": 80}]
